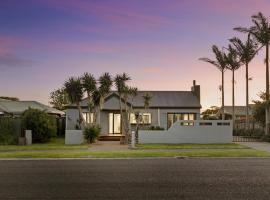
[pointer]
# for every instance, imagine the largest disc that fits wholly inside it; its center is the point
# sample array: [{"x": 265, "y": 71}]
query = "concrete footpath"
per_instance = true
[{"x": 261, "y": 146}]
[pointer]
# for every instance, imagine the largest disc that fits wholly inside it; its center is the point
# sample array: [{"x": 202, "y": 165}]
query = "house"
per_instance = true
[
  {"x": 16, "y": 108},
  {"x": 166, "y": 107},
  {"x": 240, "y": 112}
]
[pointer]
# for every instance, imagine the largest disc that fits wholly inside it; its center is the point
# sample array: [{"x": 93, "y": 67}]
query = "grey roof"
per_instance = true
[
  {"x": 160, "y": 99},
  {"x": 238, "y": 110},
  {"x": 18, "y": 107}
]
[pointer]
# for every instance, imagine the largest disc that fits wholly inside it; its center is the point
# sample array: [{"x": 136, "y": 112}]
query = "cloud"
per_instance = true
[
  {"x": 123, "y": 16},
  {"x": 9, "y": 60}
]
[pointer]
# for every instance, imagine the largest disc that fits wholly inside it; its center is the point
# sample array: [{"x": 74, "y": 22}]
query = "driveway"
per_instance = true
[
  {"x": 262, "y": 146},
  {"x": 183, "y": 179}
]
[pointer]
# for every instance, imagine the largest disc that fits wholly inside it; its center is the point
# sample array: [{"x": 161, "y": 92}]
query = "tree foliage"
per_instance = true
[
  {"x": 43, "y": 125},
  {"x": 59, "y": 99}
]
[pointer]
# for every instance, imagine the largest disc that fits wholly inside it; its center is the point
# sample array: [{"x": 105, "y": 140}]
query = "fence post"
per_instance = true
[
  {"x": 133, "y": 139},
  {"x": 28, "y": 137}
]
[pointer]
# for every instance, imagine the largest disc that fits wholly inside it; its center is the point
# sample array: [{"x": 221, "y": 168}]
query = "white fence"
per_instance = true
[
  {"x": 73, "y": 137},
  {"x": 198, "y": 131}
]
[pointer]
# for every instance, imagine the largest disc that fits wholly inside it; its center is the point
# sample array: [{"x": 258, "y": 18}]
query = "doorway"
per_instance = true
[{"x": 114, "y": 123}]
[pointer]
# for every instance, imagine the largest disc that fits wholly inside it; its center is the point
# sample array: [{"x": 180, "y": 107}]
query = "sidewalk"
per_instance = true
[{"x": 261, "y": 146}]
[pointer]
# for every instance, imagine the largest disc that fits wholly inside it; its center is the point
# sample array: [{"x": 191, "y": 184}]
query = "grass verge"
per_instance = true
[
  {"x": 191, "y": 146},
  {"x": 137, "y": 153},
  {"x": 54, "y": 144}
]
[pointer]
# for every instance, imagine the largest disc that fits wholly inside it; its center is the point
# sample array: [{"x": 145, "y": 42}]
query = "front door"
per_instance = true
[{"x": 114, "y": 123}]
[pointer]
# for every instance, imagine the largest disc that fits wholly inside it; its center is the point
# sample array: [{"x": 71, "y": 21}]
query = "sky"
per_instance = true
[{"x": 157, "y": 42}]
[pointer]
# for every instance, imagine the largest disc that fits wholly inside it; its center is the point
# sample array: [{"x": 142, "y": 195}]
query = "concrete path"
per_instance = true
[
  {"x": 108, "y": 146},
  {"x": 262, "y": 146}
]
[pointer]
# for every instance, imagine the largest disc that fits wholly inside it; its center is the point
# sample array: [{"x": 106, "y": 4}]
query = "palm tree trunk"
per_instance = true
[
  {"x": 233, "y": 98},
  {"x": 81, "y": 119},
  {"x": 222, "y": 97},
  {"x": 267, "y": 89},
  {"x": 247, "y": 98}
]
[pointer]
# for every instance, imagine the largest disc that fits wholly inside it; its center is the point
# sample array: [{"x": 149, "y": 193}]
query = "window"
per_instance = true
[
  {"x": 145, "y": 118},
  {"x": 173, "y": 117},
  {"x": 88, "y": 117}
]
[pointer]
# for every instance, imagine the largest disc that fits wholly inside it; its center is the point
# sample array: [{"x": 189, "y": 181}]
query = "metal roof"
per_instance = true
[
  {"x": 160, "y": 99},
  {"x": 18, "y": 107}
]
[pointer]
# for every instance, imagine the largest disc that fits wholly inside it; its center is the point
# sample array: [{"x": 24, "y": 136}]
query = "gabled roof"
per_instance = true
[
  {"x": 18, "y": 107},
  {"x": 160, "y": 99}
]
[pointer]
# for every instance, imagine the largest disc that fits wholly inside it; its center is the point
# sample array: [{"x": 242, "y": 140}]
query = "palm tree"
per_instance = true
[
  {"x": 120, "y": 83},
  {"x": 74, "y": 89},
  {"x": 221, "y": 64},
  {"x": 234, "y": 63},
  {"x": 260, "y": 31},
  {"x": 105, "y": 84},
  {"x": 146, "y": 99},
  {"x": 246, "y": 51},
  {"x": 89, "y": 85}
]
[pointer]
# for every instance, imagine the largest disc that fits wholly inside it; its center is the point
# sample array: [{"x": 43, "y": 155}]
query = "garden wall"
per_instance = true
[
  {"x": 198, "y": 131},
  {"x": 73, "y": 137}
]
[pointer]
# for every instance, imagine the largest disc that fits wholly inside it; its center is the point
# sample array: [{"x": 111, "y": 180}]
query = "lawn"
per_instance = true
[
  {"x": 54, "y": 144},
  {"x": 191, "y": 146},
  {"x": 137, "y": 153}
]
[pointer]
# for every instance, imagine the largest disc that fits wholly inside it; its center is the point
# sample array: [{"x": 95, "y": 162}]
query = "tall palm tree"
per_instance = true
[
  {"x": 105, "y": 84},
  {"x": 233, "y": 63},
  {"x": 220, "y": 63},
  {"x": 120, "y": 84},
  {"x": 246, "y": 51},
  {"x": 146, "y": 100},
  {"x": 74, "y": 89},
  {"x": 89, "y": 85},
  {"x": 260, "y": 31}
]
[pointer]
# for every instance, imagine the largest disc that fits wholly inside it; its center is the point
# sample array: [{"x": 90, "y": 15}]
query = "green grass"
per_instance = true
[
  {"x": 54, "y": 144},
  {"x": 191, "y": 146},
  {"x": 137, "y": 153}
]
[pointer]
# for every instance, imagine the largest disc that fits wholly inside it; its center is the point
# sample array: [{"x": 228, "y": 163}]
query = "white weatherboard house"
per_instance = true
[{"x": 166, "y": 108}]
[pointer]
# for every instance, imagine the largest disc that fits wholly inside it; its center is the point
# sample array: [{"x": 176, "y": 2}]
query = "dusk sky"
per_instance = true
[{"x": 157, "y": 42}]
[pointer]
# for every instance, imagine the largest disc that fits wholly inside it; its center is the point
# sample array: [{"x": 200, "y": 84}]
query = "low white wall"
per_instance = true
[
  {"x": 202, "y": 131},
  {"x": 73, "y": 137}
]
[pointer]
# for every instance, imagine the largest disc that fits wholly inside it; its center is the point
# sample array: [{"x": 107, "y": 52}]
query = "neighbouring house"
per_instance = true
[
  {"x": 240, "y": 112},
  {"x": 16, "y": 108},
  {"x": 166, "y": 107}
]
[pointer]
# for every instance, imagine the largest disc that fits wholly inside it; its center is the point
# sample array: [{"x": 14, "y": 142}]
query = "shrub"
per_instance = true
[
  {"x": 43, "y": 125},
  {"x": 91, "y": 133},
  {"x": 6, "y": 131},
  {"x": 254, "y": 133}
]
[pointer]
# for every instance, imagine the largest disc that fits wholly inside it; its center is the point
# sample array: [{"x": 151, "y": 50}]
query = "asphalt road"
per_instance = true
[{"x": 136, "y": 179}]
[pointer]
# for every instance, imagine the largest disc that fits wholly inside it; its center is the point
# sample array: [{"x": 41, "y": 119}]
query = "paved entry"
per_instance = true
[
  {"x": 108, "y": 146},
  {"x": 261, "y": 146}
]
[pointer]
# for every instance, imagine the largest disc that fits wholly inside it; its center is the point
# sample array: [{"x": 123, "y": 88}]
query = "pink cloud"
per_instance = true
[{"x": 124, "y": 17}]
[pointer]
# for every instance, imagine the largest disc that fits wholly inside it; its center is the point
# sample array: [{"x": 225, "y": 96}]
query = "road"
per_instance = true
[{"x": 197, "y": 178}]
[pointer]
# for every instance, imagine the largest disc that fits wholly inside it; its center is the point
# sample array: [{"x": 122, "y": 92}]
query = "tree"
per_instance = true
[
  {"x": 74, "y": 89},
  {"x": 260, "y": 31},
  {"x": 43, "y": 125},
  {"x": 59, "y": 99},
  {"x": 89, "y": 86},
  {"x": 105, "y": 83},
  {"x": 210, "y": 113},
  {"x": 259, "y": 109},
  {"x": 146, "y": 100},
  {"x": 221, "y": 64},
  {"x": 128, "y": 93},
  {"x": 246, "y": 51},
  {"x": 233, "y": 63},
  {"x": 120, "y": 84}
]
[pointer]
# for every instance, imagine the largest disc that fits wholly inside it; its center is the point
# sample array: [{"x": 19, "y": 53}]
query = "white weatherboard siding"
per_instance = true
[
  {"x": 73, "y": 137},
  {"x": 215, "y": 131}
]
